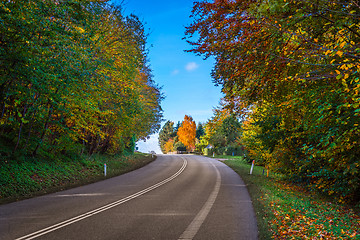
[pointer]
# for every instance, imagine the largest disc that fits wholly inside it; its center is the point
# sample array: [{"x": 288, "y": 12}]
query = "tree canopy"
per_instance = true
[
  {"x": 187, "y": 132},
  {"x": 74, "y": 76},
  {"x": 166, "y": 133},
  {"x": 291, "y": 69}
]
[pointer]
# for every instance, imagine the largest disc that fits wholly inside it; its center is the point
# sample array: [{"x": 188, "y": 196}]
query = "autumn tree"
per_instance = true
[
  {"x": 74, "y": 77},
  {"x": 291, "y": 67},
  {"x": 169, "y": 146},
  {"x": 187, "y": 132}
]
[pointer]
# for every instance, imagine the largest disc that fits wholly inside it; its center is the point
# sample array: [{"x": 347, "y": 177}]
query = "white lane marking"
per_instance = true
[
  {"x": 175, "y": 214},
  {"x": 81, "y": 195},
  {"x": 101, "y": 209},
  {"x": 195, "y": 225}
]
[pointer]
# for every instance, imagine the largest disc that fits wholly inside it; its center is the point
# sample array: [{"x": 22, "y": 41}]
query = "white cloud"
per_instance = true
[
  {"x": 175, "y": 72},
  {"x": 191, "y": 66}
]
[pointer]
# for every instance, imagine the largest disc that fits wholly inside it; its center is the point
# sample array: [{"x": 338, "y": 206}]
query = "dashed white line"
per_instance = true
[{"x": 81, "y": 195}]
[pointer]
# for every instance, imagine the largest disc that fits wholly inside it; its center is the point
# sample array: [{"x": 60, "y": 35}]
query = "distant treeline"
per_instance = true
[{"x": 74, "y": 77}]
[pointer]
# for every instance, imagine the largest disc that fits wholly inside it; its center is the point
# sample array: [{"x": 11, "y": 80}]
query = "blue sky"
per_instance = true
[{"x": 184, "y": 77}]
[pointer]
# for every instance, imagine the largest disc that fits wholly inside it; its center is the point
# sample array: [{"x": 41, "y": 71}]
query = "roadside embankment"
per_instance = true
[
  {"x": 288, "y": 211},
  {"x": 33, "y": 177}
]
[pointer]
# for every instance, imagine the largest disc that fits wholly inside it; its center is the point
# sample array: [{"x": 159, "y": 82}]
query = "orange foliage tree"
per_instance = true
[{"x": 187, "y": 132}]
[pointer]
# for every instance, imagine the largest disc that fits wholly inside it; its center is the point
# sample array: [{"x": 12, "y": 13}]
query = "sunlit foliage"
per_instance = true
[
  {"x": 74, "y": 76},
  {"x": 187, "y": 133},
  {"x": 292, "y": 67}
]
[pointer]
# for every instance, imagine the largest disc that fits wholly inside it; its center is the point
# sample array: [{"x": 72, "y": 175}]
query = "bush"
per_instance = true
[
  {"x": 180, "y": 147},
  {"x": 208, "y": 151},
  {"x": 234, "y": 150}
]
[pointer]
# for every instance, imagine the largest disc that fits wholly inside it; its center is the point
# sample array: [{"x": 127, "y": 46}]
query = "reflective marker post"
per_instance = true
[
  {"x": 252, "y": 166},
  {"x": 105, "y": 169}
]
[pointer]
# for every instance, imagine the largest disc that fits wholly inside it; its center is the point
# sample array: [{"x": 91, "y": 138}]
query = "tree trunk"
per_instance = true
[
  {"x": 30, "y": 129},
  {"x": 20, "y": 129},
  {"x": 44, "y": 131}
]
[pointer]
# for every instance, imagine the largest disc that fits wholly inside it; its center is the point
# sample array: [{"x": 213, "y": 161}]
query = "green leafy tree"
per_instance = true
[
  {"x": 230, "y": 130},
  {"x": 74, "y": 77},
  {"x": 180, "y": 147},
  {"x": 200, "y": 131},
  {"x": 166, "y": 134}
]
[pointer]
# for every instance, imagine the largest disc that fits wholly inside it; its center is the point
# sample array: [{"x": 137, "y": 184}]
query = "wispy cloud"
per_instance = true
[
  {"x": 175, "y": 72},
  {"x": 191, "y": 66}
]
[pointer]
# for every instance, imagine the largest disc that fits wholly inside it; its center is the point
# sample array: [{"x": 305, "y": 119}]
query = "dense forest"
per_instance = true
[
  {"x": 74, "y": 78},
  {"x": 289, "y": 70}
]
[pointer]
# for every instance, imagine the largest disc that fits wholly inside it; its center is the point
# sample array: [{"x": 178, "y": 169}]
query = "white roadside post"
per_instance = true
[
  {"x": 252, "y": 166},
  {"x": 105, "y": 169}
]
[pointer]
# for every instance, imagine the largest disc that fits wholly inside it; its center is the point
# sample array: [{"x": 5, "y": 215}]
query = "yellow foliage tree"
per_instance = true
[{"x": 169, "y": 146}]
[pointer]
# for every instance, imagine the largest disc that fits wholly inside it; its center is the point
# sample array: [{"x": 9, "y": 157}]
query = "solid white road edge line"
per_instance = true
[
  {"x": 101, "y": 209},
  {"x": 195, "y": 225}
]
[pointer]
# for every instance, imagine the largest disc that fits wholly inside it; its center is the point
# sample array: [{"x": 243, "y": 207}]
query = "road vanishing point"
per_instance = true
[{"x": 174, "y": 197}]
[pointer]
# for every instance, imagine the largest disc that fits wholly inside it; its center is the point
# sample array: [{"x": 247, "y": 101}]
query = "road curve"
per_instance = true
[{"x": 174, "y": 197}]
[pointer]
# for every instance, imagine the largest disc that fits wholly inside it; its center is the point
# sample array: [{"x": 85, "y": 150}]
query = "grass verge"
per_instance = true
[
  {"x": 33, "y": 177},
  {"x": 287, "y": 211}
]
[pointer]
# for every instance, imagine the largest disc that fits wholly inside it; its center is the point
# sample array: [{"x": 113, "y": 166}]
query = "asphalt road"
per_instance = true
[{"x": 174, "y": 197}]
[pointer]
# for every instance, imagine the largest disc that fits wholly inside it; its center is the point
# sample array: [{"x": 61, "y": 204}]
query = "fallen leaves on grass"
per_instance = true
[{"x": 304, "y": 218}]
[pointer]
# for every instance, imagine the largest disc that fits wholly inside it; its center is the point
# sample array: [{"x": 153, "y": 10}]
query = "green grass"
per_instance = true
[
  {"x": 36, "y": 176},
  {"x": 288, "y": 211}
]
